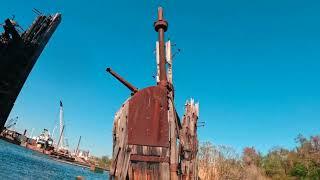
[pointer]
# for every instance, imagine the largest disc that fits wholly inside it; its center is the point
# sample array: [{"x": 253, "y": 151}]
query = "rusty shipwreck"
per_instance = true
[{"x": 149, "y": 139}]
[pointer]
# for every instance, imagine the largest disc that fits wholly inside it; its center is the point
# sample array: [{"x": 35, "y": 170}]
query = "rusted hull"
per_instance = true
[{"x": 148, "y": 118}]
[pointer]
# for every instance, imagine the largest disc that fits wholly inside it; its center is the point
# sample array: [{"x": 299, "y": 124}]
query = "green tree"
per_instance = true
[
  {"x": 299, "y": 170},
  {"x": 275, "y": 164},
  {"x": 104, "y": 161}
]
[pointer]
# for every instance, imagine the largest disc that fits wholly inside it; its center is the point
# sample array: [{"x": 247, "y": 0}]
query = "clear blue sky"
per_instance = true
[{"x": 253, "y": 65}]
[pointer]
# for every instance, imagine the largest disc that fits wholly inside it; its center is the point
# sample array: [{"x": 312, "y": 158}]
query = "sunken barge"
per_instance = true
[
  {"x": 19, "y": 51},
  {"x": 149, "y": 139}
]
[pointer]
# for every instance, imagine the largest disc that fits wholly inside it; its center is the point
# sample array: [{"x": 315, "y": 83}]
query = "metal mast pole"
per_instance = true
[
  {"x": 78, "y": 146},
  {"x": 61, "y": 125},
  {"x": 60, "y": 138},
  {"x": 161, "y": 26}
]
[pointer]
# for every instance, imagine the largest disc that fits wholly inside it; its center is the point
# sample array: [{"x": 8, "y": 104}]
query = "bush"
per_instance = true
[
  {"x": 221, "y": 162},
  {"x": 299, "y": 170}
]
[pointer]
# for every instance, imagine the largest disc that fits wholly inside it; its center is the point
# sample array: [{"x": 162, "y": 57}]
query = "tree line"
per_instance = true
[{"x": 223, "y": 163}]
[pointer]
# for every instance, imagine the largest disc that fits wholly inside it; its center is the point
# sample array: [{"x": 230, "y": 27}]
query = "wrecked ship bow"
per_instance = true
[
  {"x": 149, "y": 140},
  {"x": 18, "y": 54}
]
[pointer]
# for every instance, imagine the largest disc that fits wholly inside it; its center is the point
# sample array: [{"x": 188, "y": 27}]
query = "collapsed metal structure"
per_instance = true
[
  {"x": 149, "y": 140},
  {"x": 18, "y": 54}
]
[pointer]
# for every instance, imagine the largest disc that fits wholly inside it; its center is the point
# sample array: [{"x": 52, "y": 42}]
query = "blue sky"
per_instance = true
[{"x": 252, "y": 65}]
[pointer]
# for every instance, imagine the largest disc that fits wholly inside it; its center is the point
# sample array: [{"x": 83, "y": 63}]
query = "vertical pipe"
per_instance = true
[
  {"x": 163, "y": 76},
  {"x": 161, "y": 26},
  {"x": 160, "y": 13}
]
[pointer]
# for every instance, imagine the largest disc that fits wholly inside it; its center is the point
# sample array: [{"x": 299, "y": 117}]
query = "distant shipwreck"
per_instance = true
[
  {"x": 19, "y": 52},
  {"x": 149, "y": 140}
]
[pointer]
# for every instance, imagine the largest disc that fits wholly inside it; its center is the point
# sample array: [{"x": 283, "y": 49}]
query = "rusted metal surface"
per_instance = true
[
  {"x": 123, "y": 81},
  {"x": 148, "y": 119},
  {"x": 19, "y": 52}
]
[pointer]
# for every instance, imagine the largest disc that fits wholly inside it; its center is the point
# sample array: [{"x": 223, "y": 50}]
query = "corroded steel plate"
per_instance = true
[{"x": 148, "y": 117}]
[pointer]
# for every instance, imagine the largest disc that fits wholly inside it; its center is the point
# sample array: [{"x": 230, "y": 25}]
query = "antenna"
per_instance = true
[
  {"x": 12, "y": 122},
  {"x": 37, "y": 12},
  {"x": 201, "y": 124},
  {"x": 178, "y": 50},
  {"x": 176, "y": 53}
]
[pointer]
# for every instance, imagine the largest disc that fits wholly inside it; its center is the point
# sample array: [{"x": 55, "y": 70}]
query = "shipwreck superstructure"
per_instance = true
[
  {"x": 149, "y": 139},
  {"x": 19, "y": 52}
]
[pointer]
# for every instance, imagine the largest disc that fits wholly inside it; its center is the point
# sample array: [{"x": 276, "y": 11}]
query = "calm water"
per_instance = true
[{"x": 19, "y": 163}]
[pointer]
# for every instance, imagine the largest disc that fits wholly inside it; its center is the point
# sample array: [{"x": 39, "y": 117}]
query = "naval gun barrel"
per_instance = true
[{"x": 123, "y": 81}]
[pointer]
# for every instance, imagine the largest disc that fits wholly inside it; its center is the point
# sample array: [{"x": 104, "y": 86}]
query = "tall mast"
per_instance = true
[
  {"x": 78, "y": 146},
  {"x": 61, "y": 125},
  {"x": 161, "y": 26},
  {"x": 60, "y": 139}
]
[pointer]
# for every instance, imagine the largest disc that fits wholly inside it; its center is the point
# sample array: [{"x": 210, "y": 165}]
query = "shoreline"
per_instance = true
[
  {"x": 20, "y": 163},
  {"x": 75, "y": 163},
  {"x": 67, "y": 162}
]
